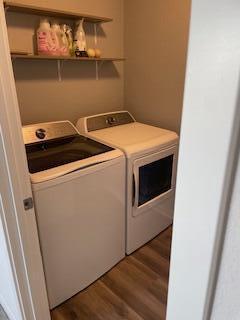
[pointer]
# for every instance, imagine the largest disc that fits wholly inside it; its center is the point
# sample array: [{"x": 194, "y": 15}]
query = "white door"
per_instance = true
[
  {"x": 210, "y": 124},
  {"x": 19, "y": 225}
]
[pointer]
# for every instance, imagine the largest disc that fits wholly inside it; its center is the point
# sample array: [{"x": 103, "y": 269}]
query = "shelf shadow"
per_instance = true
[
  {"x": 77, "y": 70},
  {"x": 108, "y": 70},
  {"x": 89, "y": 30}
]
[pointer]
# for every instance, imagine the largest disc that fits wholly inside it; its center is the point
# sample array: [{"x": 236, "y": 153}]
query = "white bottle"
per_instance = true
[
  {"x": 56, "y": 38},
  {"x": 70, "y": 40},
  {"x": 44, "y": 39},
  {"x": 80, "y": 37},
  {"x": 64, "y": 41}
]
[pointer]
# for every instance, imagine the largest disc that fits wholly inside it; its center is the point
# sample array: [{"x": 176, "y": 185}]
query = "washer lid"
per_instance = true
[
  {"x": 54, "y": 153},
  {"x": 56, "y": 148},
  {"x": 135, "y": 137}
]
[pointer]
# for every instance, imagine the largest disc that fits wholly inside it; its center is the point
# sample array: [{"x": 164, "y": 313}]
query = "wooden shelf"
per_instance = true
[
  {"x": 28, "y": 9},
  {"x": 36, "y": 57}
]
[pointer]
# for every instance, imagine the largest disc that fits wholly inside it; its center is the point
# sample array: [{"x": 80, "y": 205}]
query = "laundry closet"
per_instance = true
[{"x": 101, "y": 133}]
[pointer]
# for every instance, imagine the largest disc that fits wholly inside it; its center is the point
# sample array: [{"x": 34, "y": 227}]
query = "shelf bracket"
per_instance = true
[
  {"x": 95, "y": 35},
  {"x": 6, "y": 9},
  {"x": 98, "y": 68},
  {"x": 95, "y": 44},
  {"x": 59, "y": 65}
]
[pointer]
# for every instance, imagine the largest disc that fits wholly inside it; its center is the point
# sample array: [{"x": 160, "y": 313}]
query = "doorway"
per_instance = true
[{"x": 184, "y": 160}]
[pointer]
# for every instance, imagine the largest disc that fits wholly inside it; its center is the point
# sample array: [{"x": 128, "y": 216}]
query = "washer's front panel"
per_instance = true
[{"x": 81, "y": 224}]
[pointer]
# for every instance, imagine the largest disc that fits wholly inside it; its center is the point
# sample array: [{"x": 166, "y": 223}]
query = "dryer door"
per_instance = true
[{"x": 154, "y": 179}]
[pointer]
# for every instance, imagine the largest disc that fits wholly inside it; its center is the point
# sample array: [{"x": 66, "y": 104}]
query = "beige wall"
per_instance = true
[
  {"x": 156, "y": 36},
  {"x": 41, "y": 96}
]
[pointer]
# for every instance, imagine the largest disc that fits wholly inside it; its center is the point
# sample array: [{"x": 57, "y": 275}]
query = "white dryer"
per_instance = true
[
  {"x": 79, "y": 196},
  {"x": 151, "y": 154}
]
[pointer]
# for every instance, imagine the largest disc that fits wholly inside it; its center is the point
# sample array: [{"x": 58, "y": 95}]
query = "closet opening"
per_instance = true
[{"x": 100, "y": 93}]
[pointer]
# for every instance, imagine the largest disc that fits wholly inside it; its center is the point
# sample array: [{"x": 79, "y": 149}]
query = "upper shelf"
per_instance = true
[
  {"x": 36, "y": 57},
  {"x": 29, "y": 9}
]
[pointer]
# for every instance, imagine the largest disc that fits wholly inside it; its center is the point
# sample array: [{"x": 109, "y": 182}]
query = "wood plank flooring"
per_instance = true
[
  {"x": 135, "y": 289},
  {"x": 3, "y": 315}
]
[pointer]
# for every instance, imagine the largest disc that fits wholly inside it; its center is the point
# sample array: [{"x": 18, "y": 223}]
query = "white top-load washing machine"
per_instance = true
[
  {"x": 79, "y": 195},
  {"x": 151, "y": 155}
]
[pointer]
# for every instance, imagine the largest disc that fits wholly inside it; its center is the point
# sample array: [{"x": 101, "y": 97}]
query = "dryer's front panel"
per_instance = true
[
  {"x": 153, "y": 191},
  {"x": 154, "y": 179}
]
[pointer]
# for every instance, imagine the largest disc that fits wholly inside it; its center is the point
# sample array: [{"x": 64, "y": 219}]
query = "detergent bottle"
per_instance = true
[{"x": 44, "y": 39}]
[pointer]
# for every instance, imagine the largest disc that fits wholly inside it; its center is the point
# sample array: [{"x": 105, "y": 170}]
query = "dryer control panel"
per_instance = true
[{"x": 108, "y": 120}]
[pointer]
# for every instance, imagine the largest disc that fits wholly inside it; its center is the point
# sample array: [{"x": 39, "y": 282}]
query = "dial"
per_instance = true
[
  {"x": 111, "y": 120},
  {"x": 40, "y": 133}
]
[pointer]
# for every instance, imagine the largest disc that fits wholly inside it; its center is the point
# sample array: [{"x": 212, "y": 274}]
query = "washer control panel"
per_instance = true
[{"x": 47, "y": 131}]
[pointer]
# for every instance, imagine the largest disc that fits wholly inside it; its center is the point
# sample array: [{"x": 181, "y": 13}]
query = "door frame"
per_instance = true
[
  {"x": 19, "y": 226},
  {"x": 207, "y": 157}
]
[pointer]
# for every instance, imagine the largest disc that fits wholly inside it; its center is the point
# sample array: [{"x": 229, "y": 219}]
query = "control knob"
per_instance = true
[
  {"x": 40, "y": 133},
  {"x": 111, "y": 121}
]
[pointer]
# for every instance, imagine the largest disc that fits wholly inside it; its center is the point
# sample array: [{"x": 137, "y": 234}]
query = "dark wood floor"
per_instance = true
[
  {"x": 135, "y": 289},
  {"x": 3, "y": 315}
]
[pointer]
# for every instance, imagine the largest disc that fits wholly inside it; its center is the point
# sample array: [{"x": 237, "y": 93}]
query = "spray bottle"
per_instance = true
[
  {"x": 64, "y": 41},
  {"x": 70, "y": 40},
  {"x": 80, "y": 40}
]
